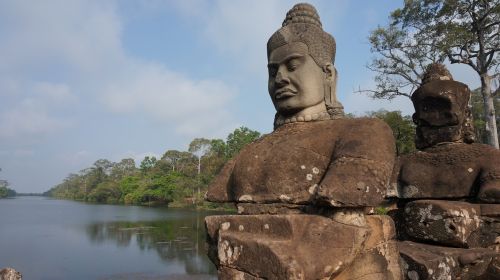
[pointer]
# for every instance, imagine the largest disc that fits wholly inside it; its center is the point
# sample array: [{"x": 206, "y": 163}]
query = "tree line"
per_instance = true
[
  {"x": 178, "y": 178},
  {"x": 4, "y": 190}
]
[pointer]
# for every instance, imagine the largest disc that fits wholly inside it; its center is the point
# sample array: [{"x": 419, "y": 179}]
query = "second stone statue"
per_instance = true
[{"x": 305, "y": 190}]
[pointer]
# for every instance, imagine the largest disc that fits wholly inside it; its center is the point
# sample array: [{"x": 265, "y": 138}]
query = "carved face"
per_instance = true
[
  {"x": 296, "y": 82},
  {"x": 440, "y": 110}
]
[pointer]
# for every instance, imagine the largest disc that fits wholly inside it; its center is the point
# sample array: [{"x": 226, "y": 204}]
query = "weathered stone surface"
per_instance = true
[
  {"x": 10, "y": 274},
  {"x": 449, "y": 163},
  {"x": 422, "y": 261},
  {"x": 449, "y": 223},
  {"x": 344, "y": 162},
  {"x": 493, "y": 270},
  {"x": 304, "y": 188},
  {"x": 451, "y": 171},
  {"x": 288, "y": 246},
  {"x": 378, "y": 263},
  {"x": 233, "y": 274},
  {"x": 314, "y": 155}
]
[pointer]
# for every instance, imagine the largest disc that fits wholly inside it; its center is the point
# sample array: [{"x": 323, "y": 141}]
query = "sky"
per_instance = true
[{"x": 85, "y": 80}]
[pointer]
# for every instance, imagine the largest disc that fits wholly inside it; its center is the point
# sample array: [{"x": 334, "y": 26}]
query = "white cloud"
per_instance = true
[
  {"x": 82, "y": 42},
  {"x": 31, "y": 114},
  {"x": 54, "y": 94},
  {"x": 192, "y": 107},
  {"x": 240, "y": 29},
  {"x": 83, "y": 35},
  {"x": 28, "y": 121}
]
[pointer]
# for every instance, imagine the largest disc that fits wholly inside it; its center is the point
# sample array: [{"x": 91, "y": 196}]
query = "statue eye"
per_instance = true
[
  {"x": 292, "y": 64},
  {"x": 272, "y": 71}
]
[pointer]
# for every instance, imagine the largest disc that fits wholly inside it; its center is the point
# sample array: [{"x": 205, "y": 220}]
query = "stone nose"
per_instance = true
[{"x": 281, "y": 78}]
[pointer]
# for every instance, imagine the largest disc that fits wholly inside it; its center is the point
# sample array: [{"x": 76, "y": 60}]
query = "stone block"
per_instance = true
[
  {"x": 297, "y": 246},
  {"x": 451, "y": 223},
  {"x": 423, "y": 261}
]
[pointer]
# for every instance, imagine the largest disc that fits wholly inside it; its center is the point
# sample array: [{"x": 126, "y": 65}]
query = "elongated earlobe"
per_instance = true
[{"x": 333, "y": 106}]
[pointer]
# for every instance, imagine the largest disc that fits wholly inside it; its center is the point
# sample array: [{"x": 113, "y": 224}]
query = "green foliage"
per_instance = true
[
  {"x": 402, "y": 127},
  {"x": 4, "y": 190},
  {"x": 238, "y": 139},
  {"x": 381, "y": 210},
  {"x": 179, "y": 178},
  {"x": 147, "y": 163}
]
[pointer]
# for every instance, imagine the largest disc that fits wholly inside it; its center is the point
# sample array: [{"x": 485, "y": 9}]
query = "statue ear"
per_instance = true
[
  {"x": 333, "y": 106},
  {"x": 414, "y": 118},
  {"x": 329, "y": 71}
]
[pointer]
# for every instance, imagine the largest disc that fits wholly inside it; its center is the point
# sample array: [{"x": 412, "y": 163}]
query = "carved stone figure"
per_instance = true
[
  {"x": 446, "y": 238},
  {"x": 314, "y": 155},
  {"x": 449, "y": 164},
  {"x": 303, "y": 189}
]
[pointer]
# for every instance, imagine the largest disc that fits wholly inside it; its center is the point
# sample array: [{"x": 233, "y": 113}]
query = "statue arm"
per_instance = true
[
  {"x": 218, "y": 190},
  {"x": 361, "y": 166},
  {"x": 489, "y": 189}
]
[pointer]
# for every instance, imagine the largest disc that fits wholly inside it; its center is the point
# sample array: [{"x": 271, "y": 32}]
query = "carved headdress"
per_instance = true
[{"x": 302, "y": 24}]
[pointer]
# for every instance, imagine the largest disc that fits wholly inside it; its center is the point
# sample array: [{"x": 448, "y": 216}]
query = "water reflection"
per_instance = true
[{"x": 179, "y": 240}]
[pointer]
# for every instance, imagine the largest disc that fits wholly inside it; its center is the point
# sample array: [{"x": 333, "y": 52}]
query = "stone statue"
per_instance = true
[
  {"x": 304, "y": 189},
  {"x": 314, "y": 156},
  {"x": 449, "y": 163},
  {"x": 447, "y": 189}
]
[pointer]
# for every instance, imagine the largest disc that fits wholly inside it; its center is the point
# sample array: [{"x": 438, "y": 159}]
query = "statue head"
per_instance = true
[
  {"x": 442, "y": 112},
  {"x": 302, "y": 77}
]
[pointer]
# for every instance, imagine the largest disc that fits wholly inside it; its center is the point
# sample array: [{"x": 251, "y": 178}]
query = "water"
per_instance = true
[{"x": 56, "y": 239}]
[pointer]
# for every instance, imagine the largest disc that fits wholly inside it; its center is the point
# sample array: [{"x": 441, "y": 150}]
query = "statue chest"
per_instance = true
[
  {"x": 446, "y": 173},
  {"x": 283, "y": 167}
]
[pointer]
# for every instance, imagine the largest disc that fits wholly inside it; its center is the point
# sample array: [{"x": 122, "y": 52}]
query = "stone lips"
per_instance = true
[{"x": 339, "y": 163}]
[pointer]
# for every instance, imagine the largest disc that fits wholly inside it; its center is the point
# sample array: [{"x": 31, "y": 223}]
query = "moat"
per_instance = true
[{"x": 45, "y": 238}]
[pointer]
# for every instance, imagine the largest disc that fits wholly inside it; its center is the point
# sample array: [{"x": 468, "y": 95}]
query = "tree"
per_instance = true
[
  {"x": 199, "y": 147},
  {"x": 4, "y": 190},
  {"x": 426, "y": 31},
  {"x": 125, "y": 167},
  {"x": 402, "y": 127},
  {"x": 179, "y": 161},
  {"x": 477, "y": 108},
  {"x": 238, "y": 139},
  {"x": 147, "y": 163}
]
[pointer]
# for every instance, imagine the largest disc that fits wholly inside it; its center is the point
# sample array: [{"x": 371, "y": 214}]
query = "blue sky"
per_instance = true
[{"x": 84, "y": 80}]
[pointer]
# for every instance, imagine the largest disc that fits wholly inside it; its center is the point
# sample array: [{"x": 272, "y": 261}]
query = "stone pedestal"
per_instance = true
[
  {"x": 449, "y": 240},
  {"x": 346, "y": 245}
]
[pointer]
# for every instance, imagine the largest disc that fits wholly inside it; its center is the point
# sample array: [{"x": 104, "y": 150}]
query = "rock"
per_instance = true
[
  {"x": 10, "y": 274},
  {"x": 348, "y": 161},
  {"x": 292, "y": 243},
  {"x": 303, "y": 189},
  {"x": 451, "y": 223},
  {"x": 423, "y": 261},
  {"x": 444, "y": 222},
  {"x": 451, "y": 171}
]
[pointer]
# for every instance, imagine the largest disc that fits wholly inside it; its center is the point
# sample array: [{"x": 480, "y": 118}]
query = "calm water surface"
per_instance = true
[{"x": 57, "y": 239}]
